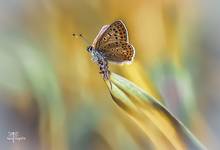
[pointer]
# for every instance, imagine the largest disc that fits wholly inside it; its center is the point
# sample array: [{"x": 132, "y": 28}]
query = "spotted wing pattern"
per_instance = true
[
  {"x": 115, "y": 32},
  {"x": 118, "y": 52}
]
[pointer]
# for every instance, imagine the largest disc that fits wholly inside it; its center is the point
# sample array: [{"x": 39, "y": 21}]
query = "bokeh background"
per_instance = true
[{"x": 51, "y": 91}]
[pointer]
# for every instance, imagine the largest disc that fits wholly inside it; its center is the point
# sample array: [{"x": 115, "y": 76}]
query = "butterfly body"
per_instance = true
[
  {"x": 99, "y": 59},
  {"x": 111, "y": 45}
]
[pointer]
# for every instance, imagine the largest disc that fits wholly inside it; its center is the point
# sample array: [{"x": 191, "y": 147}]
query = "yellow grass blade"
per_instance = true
[{"x": 161, "y": 127}]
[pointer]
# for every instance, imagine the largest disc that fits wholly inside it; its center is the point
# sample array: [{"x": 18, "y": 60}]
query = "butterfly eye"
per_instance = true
[{"x": 90, "y": 48}]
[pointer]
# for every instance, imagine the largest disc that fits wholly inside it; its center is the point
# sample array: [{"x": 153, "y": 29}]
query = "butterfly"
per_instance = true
[{"x": 111, "y": 45}]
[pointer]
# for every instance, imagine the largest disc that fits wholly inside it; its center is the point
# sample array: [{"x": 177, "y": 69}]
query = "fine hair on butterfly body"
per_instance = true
[{"x": 111, "y": 45}]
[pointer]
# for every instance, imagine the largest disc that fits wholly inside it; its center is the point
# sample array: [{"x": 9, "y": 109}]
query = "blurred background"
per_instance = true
[{"x": 52, "y": 94}]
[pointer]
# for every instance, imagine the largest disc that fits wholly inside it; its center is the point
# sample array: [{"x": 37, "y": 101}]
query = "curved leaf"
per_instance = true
[{"x": 159, "y": 125}]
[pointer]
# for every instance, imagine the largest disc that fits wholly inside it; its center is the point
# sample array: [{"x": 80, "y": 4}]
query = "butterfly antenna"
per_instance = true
[{"x": 80, "y": 35}]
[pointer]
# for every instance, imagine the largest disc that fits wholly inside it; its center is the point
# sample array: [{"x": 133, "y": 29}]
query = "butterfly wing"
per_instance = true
[
  {"x": 111, "y": 33},
  {"x": 103, "y": 29},
  {"x": 118, "y": 52}
]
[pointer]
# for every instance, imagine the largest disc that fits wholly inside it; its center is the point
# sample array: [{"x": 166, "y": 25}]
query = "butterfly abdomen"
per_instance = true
[{"x": 103, "y": 66}]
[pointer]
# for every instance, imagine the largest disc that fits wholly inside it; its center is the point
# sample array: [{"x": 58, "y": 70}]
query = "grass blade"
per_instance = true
[{"x": 161, "y": 127}]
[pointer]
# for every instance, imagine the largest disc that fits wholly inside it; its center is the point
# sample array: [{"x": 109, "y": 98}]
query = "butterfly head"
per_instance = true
[{"x": 90, "y": 49}]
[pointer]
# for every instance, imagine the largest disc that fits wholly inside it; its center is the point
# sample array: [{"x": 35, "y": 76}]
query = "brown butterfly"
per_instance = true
[{"x": 111, "y": 45}]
